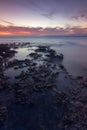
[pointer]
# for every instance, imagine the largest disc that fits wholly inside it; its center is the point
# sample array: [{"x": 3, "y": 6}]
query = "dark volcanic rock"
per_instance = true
[
  {"x": 35, "y": 55},
  {"x": 5, "y": 51},
  {"x": 3, "y": 114},
  {"x": 42, "y": 49},
  {"x": 35, "y": 100}
]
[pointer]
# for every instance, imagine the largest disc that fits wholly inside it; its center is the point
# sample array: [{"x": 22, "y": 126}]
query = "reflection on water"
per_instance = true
[
  {"x": 23, "y": 60},
  {"x": 73, "y": 48}
]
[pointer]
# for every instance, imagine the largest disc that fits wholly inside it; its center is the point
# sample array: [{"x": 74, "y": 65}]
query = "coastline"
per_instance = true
[{"x": 44, "y": 95}]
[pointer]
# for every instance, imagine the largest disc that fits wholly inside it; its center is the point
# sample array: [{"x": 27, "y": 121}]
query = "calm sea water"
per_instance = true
[{"x": 73, "y": 48}]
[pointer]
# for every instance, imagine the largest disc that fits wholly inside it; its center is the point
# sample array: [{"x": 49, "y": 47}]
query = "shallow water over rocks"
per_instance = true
[{"x": 37, "y": 92}]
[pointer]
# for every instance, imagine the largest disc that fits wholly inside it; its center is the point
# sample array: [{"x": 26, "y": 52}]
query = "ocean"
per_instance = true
[{"x": 73, "y": 48}]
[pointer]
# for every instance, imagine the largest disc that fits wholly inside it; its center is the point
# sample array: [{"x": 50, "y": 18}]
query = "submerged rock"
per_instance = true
[
  {"x": 52, "y": 54},
  {"x": 42, "y": 49},
  {"x": 80, "y": 77},
  {"x": 36, "y": 86},
  {"x": 35, "y": 55},
  {"x": 5, "y": 51},
  {"x": 3, "y": 114}
]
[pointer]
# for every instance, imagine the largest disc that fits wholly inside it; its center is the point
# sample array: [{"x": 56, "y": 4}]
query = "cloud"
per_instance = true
[
  {"x": 28, "y": 4},
  {"x": 16, "y": 30},
  {"x": 80, "y": 17},
  {"x": 81, "y": 14},
  {"x": 49, "y": 15},
  {"x": 6, "y": 22}
]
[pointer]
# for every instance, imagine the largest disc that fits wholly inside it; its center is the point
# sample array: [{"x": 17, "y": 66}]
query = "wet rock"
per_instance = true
[
  {"x": 5, "y": 51},
  {"x": 60, "y": 56},
  {"x": 61, "y": 66},
  {"x": 42, "y": 49},
  {"x": 19, "y": 96},
  {"x": 62, "y": 98},
  {"x": 52, "y": 54},
  {"x": 80, "y": 77},
  {"x": 35, "y": 55},
  {"x": 3, "y": 114}
]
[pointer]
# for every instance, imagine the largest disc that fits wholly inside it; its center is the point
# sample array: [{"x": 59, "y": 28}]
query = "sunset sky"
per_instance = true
[{"x": 43, "y": 17}]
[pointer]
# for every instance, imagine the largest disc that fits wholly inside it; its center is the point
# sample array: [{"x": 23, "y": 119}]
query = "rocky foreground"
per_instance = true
[{"x": 37, "y": 93}]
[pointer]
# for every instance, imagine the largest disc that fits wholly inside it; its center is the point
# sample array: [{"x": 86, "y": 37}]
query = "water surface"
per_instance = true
[{"x": 73, "y": 48}]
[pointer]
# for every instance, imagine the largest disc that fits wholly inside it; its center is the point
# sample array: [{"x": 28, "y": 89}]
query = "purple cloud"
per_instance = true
[{"x": 15, "y": 30}]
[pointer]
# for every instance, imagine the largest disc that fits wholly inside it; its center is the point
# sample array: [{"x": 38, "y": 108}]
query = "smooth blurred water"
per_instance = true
[{"x": 73, "y": 48}]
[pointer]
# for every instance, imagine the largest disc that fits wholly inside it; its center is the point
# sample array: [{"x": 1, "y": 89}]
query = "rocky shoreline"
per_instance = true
[{"x": 41, "y": 95}]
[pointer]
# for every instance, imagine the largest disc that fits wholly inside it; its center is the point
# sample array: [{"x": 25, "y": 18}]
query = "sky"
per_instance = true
[{"x": 43, "y": 17}]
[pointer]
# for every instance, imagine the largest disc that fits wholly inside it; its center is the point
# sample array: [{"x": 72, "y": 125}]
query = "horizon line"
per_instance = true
[{"x": 43, "y": 35}]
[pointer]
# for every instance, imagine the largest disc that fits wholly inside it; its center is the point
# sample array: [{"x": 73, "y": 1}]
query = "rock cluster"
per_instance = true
[
  {"x": 35, "y": 79},
  {"x": 5, "y": 51},
  {"x": 3, "y": 114},
  {"x": 36, "y": 86}
]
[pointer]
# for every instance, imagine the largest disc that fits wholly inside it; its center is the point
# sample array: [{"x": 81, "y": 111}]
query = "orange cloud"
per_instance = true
[
  {"x": 23, "y": 33},
  {"x": 18, "y": 33},
  {"x": 2, "y": 33}
]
